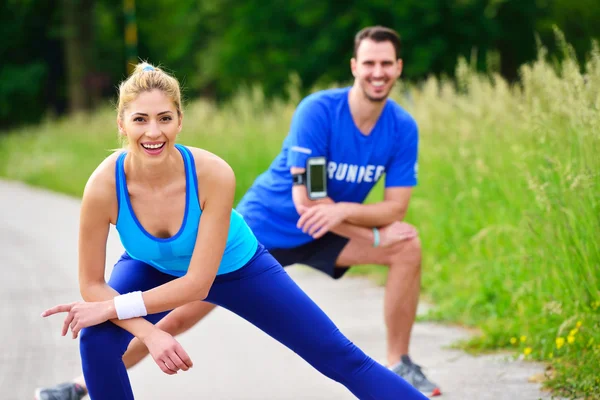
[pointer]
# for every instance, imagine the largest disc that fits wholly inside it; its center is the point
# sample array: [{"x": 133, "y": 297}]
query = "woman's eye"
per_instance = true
[
  {"x": 167, "y": 119},
  {"x": 138, "y": 119}
]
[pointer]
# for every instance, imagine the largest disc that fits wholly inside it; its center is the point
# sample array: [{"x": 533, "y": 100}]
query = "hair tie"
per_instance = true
[{"x": 148, "y": 68}]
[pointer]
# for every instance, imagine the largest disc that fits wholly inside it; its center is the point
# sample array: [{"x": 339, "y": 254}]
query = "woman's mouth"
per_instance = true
[{"x": 153, "y": 148}]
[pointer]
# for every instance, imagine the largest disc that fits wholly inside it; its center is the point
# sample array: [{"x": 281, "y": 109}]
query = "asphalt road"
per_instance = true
[{"x": 232, "y": 359}]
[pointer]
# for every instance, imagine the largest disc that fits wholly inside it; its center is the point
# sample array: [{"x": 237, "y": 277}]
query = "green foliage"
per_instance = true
[
  {"x": 25, "y": 46},
  {"x": 21, "y": 85},
  {"x": 219, "y": 47},
  {"x": 318, "y": 40},
  {"x": 578, "y": 20}
]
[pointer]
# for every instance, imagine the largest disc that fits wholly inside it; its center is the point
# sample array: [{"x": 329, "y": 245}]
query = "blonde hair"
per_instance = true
[{"x": 146, "y": 78}]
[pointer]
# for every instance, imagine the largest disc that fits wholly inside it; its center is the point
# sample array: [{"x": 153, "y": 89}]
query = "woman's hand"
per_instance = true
[
  {"x": 82, "y": 314},
  {"x": 167, "y": 352}
]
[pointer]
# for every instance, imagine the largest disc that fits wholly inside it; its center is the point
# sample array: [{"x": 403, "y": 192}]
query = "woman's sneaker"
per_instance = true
[
  {"x": 64, "y": 391},
  {"x": 412, "y": 373}
]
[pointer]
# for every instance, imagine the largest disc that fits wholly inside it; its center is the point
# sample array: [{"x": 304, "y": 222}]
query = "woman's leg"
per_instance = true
[
  {"x": 264, "y": 294},
  {"x": 102, "y": 346}
]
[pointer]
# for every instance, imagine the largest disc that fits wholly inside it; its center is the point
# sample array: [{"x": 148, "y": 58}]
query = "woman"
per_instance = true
[{"x": 172, "y": 206}]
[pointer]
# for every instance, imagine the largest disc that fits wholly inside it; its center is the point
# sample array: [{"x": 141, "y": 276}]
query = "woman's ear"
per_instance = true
[
  {"x": 180, "y": 123},
  {"x": 120, "y": 126}
]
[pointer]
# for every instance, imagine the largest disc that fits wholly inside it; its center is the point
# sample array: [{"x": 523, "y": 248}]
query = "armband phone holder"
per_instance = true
[
  {"x": 316, "y": 177},
  {"x": 299, "y": 179}
]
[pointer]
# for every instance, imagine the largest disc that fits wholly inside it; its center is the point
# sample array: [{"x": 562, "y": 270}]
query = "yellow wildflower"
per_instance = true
[
  {"x": 523, "y": 339},
  {"x": 560, "y": 341},
  {"x": 550, "y": 355},
  {"x": 571, "y": 339},
  {"x": 513, "y": 340},
  {"x": 578, "y": 325},
  {"x": 573, "y": 332},
  {"x": 527, "y": 351}
]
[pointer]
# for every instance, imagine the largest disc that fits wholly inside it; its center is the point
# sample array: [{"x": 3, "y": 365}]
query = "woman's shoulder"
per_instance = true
[
  {"x": 101, "y": 184},
  {"x": 215, "y": 176},
  {"x": 207, "y": 162}
]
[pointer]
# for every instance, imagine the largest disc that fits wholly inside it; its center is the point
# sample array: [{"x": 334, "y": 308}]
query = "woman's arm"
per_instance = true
[
  {"x": 217, "y": 182},
  {"x": 94, "y": 224},
  {"x": 95, "y": 218},
  {"x": 217, "y": 191}
]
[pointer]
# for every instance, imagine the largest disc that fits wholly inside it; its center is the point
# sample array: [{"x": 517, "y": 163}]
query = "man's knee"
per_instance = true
[
  {"x": 407, "y": 252},
  {"x": 413, "y": 247}
]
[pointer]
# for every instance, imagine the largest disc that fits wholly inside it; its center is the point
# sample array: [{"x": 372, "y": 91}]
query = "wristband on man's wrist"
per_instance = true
[{"x": 376, "y": 237}]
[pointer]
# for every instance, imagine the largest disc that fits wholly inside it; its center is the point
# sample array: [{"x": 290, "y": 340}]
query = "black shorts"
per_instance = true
[{"x": 320, "y": 254}]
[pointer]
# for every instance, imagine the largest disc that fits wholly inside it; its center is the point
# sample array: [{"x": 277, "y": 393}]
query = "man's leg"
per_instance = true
[
  {"x": 403, "y": 283},
  {"x": 400, "y": 300},
  {"x": 401, "y": 290}
]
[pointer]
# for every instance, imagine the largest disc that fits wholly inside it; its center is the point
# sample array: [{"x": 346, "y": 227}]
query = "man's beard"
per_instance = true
[{"x": 379, "y": 99}]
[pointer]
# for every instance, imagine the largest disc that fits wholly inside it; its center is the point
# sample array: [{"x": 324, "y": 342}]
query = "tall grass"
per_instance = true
[
  {"x": 509, "y": 210},
  {"x": 507, "y": 206}
]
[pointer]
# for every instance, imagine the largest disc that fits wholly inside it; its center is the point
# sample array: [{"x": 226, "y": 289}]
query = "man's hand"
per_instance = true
[
  {"x": 396, "y": 232},
  {"x": 167, "y": 352},
  {"x": 82, "y": 314},
  {"x": 321, "y": 218}
]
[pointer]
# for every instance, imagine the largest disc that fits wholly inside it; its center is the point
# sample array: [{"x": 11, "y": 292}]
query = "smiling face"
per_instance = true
[
  {"x": 151, "y": 124},
  {"x": 375, "y": 69}
]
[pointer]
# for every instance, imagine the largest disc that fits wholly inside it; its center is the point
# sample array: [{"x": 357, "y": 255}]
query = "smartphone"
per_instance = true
[{"x": 316, "y": 178}]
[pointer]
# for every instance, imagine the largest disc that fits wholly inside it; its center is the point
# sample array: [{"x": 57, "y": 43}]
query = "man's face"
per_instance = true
[{"x": 376, "y": 69}]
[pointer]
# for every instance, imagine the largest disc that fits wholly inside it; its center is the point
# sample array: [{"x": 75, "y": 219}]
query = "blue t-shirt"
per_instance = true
[{"x": 322, "y": 125}]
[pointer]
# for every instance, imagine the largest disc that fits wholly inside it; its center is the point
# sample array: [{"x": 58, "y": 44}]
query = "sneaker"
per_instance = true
[
  {"x": 412, "y": 373},
  {"x": 64, "y": 391}
]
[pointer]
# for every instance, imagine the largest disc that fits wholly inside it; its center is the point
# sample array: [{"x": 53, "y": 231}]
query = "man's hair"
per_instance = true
[{"x": 378, "y": 34}]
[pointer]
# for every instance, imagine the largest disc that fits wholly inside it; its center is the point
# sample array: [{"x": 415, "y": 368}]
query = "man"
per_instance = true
[{"x": 363, "y": 135}]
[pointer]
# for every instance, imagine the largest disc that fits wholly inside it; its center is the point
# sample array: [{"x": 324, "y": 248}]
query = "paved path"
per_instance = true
[{"x": 232, "y": 359}]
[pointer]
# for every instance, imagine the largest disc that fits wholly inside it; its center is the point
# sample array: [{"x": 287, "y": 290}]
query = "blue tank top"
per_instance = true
[{"x": 172, "y": 255}]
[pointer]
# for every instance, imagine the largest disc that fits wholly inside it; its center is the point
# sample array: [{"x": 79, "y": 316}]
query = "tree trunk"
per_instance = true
[{"x": 77, "y": 36}]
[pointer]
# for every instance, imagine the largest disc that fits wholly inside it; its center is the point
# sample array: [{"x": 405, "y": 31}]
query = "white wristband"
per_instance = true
[{"x": 130, "y": 305}]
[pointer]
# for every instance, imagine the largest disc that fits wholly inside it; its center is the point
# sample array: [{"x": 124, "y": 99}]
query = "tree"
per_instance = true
[{"x": 77, "y": 33}]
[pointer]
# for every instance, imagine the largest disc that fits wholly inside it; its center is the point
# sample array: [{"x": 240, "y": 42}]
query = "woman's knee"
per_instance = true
[
  {"x": 105, "y": 339},
  {"x": 345, "y": 363},
  {"x": 335, "y": 353}
]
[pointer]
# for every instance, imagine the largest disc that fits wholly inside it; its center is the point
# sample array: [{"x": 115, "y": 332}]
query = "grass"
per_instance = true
[{"x": 507, "y": 204}]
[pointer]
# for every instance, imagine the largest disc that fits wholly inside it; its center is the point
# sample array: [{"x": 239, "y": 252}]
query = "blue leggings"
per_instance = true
[{"x": 262, "y": 293}]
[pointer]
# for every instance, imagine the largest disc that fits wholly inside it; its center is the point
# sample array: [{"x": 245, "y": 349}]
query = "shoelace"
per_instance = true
[{"x": 418, "y": 372}]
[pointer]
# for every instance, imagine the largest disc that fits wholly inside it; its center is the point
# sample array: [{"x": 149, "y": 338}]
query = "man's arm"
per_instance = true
[
  {"x": 345, "y": 229},
  {"x": 392, "y": 208},
  {"x": 400, "y": 178}
]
